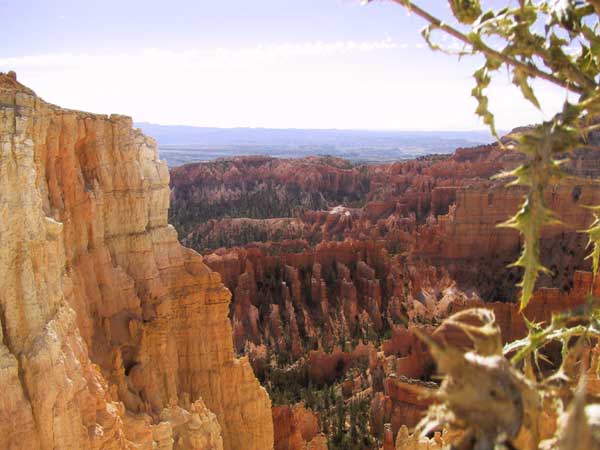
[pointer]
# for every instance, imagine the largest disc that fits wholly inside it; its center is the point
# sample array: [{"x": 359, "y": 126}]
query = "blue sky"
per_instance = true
[{"x": 262, "y": 63}]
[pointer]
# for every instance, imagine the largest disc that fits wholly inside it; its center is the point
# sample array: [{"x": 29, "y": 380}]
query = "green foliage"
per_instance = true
[
  {"x": 466, "y": 11},
  {"x": 540, "y": 145},
  {"x": 344, "y": 422},
  {"x": 594, "y": 242},
  {"x": 587, "y": 325},
  {"x": 482, "y": 82}
]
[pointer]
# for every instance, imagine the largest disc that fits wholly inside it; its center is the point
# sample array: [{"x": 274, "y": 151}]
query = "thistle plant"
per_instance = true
[{"x": 556, "y": 41}]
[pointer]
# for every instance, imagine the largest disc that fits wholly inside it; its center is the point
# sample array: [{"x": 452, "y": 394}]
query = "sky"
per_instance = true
[{"x": 259, "y": 63}]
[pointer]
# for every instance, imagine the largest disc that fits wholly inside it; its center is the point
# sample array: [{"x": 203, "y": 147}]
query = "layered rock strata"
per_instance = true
[
  {"x": 380, "y": 239},
  {"x": 113, "y": 334},
  {"x": 322, "y": 256}
]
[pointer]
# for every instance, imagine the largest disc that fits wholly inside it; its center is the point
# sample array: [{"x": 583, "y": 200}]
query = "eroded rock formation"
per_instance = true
[
  {"x": 297, "y": 428},
  {"x": 331, "y": 265},
  {"x": 381, "y": 239},
  {"x": 113, "y": 334}
]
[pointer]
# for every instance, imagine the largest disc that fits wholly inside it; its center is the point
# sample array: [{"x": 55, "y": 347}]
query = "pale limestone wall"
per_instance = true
[{"x": 112, "y": 332}]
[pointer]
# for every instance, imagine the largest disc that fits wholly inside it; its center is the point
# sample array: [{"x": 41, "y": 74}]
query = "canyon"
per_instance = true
[
  {"x": 320, "y": 244},
  {"x": 332, "y": 264},
  {"x": 250, "y": 303}
]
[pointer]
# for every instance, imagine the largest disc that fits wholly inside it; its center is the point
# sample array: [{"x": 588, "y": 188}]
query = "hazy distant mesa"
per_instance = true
[{"x": 182, "y": 144}]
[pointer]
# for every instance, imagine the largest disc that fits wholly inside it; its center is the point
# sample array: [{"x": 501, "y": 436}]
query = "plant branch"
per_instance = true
[
  {"x": 591, "y": 128},
  {"x": 531, "y": 70},
  {"x": 596, "y": 5}
]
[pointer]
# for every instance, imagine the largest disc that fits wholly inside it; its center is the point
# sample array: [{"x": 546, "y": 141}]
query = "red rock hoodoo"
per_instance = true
[{"x": 328, "y": 263}]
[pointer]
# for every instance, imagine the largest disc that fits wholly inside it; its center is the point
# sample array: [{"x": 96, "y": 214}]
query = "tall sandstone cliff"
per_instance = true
[{"x": 113, "y": 335}]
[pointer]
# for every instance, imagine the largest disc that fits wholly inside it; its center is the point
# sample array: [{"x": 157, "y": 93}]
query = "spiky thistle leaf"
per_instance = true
[
  {"x": 521, "y": 79},
  {"x": 529, "y": 222},
  {"x": 482, "y": 81},
  {"x": 594, "y": 241}
]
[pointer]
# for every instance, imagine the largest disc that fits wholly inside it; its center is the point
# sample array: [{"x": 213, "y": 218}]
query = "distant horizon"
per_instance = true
[
  {"x": 180, "y": 144},
  {"x": 233, "y": 65},
  {"x": 390, "y": 130}
]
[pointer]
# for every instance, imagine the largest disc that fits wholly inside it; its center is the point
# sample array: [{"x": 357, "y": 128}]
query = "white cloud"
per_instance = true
[
  {"x": 198, "y": 57},
  {"x": 344, "y": 84}
]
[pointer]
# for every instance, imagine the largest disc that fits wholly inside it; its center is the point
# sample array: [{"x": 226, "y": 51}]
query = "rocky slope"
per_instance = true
[
  {"x": 329, "y": 267},
  {"x": 260, "y": 187},
  {"x": 412, "y": 230},
  {"x": 113, "y": 334}
]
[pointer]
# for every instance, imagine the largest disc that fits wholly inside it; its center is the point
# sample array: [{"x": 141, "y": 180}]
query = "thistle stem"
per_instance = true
[{"x": 529, "y": 69}]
